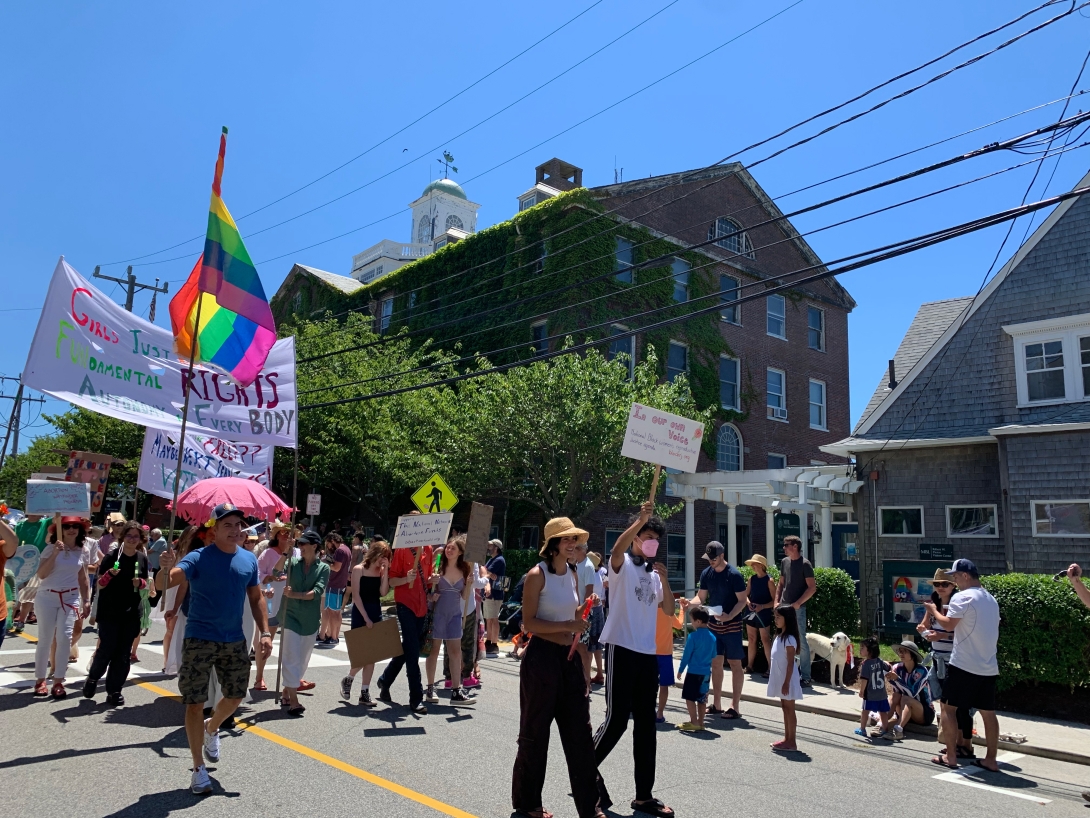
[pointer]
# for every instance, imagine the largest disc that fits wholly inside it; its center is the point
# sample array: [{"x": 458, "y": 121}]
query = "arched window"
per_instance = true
[
  {"x": 454, "y": 221},
  {"x": 728, "y": 456},
  {"x": 734, "y": 238},
  {"x": 423, "y": 230}
]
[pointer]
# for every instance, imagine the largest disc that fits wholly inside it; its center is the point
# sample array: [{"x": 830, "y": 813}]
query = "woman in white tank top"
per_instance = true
[{"x": 552, "y": 686}]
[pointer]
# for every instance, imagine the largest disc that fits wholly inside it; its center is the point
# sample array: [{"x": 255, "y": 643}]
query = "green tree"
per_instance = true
[{"x": 550, "y": 433}]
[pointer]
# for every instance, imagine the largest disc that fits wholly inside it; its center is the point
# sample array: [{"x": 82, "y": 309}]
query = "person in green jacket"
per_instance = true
[{"x": 301, "y": 615}]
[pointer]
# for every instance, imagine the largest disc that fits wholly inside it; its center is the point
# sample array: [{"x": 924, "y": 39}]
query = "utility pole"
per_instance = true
[
  {"x": 15, "y": 418},
  {"x": 131, "y": 285}
]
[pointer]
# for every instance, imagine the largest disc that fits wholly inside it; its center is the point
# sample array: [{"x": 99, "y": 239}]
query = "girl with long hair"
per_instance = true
[
  {"x": 784, "y": 682},
  {"x": 452, "y": 585},
  {"x": 63, "y": 597},
  {"x": 370, "y": 583}
]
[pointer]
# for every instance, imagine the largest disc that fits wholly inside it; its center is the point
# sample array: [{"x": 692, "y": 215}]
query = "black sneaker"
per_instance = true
[
  {"x": 365, "y": 699},
  {"x": 459, "y": 699},
  {"x": 383, "y": 693},
  {"x": 115, "y": 700},
  {"x": 420, "y": 709},
  {"x": 89, "y": 688}
]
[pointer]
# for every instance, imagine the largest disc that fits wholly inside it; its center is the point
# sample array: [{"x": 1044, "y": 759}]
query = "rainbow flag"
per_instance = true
[{"x": 236, "y": 328}]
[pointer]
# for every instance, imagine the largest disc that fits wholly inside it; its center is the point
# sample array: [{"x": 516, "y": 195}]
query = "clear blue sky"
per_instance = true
[{"x": 113, "y": 114}]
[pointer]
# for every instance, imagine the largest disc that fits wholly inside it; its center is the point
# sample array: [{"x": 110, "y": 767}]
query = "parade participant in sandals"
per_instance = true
[
  {"x": 307, "y": 578},
  {"x": 370, "y": 583},
  {"x": 552, "y": 686},
  {"x": 63, "y": 597},
  {"x": 638, "y": 587},
  {"x": 453, "y": 586},
  {"x": 217, "y": 578},
  {"x": 271, "y": 564},
  {"x": 122, "y": 575}
]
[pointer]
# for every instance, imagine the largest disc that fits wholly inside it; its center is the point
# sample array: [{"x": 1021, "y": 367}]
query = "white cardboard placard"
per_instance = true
[
  {"x": 662, "y": 438},
  {"x": 415, "y": 530},
  {"x": 58, "y": 497}
]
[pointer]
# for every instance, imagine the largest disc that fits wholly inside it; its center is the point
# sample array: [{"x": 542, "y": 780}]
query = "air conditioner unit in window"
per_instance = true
[{"x": 777, "y": 413}]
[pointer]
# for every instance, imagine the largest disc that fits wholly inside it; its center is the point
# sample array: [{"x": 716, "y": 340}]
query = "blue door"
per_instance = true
[{"x": 846, "y": 548}]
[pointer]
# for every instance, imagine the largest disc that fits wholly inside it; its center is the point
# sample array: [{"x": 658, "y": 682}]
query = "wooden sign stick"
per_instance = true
[
  {"x": 655, "y": 482},
  {"x": 416, "y": 565}
]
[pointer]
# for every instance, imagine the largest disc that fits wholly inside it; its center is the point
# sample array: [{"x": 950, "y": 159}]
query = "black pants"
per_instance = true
[
  {"x": 632, "y": 688},
  {"x": 551, "y": 688},
  {"x": 412, "y": 628},
  {"x": 112, "y": 655}
]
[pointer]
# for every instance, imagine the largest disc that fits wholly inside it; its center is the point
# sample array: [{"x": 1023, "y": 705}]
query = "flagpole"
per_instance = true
[
  {"x": 185, "y": 411},
  {"x": 294, "y": 508}
]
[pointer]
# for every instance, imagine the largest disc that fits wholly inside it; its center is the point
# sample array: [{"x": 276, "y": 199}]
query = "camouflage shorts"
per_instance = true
[{"x": 231, "y": 661}]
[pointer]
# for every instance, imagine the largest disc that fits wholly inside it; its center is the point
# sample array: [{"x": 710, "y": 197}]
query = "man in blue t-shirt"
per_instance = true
[
  {"x": 496, "y": 567},
  {"x": 722, "y": 587},
  {"x": 218, "y": 580}
]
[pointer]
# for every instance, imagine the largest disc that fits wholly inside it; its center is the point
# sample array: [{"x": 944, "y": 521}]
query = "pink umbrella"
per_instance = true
[{"x": 196, "y": 502}]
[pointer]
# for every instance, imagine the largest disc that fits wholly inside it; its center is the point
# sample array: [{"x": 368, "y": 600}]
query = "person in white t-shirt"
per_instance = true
[
  {"x": 639, "y": 586},
  {"x": 972, "y": 670}
]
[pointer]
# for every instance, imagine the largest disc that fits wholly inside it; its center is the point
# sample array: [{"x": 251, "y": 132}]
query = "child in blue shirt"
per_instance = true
[
  {"x": 700, "y": 650},
  {"x": 872, "y": 688}
]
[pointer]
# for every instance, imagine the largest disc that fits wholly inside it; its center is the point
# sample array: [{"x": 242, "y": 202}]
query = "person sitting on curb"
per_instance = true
[{"x": 909, "y": 673}]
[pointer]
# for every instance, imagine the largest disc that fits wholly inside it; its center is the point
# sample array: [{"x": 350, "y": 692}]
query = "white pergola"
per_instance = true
[{"x": 809, "y": 489}]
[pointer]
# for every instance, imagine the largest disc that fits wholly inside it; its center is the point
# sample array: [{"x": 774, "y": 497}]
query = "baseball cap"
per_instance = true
[
  {"x": 225, "y": 510},
  {"x": 309, "y": 537},
  {"x": 963, "y": 567},
  {"x": 713, "y": 550}
]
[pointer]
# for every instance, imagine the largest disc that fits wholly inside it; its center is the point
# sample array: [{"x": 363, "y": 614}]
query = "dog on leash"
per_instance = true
[{"x": 835, "y": 649}]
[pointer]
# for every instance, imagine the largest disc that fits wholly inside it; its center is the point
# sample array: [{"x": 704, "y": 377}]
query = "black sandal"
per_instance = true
[
  {"x": 652, "y": 807},
  {"x": 964, "y": 752},
  {"x": 731, "y": 713}
]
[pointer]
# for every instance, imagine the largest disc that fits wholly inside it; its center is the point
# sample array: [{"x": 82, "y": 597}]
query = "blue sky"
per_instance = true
[{"x": 113, "y": 116}]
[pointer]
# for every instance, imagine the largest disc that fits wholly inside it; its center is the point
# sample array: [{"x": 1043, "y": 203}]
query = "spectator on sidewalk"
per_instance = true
[
  {"x": 1074, "y": 576},
  {"x": 914, "y": 705},
  {"x": 701, "y": 649},
  {"x": 973, "y": 616},
  {"x": 758, "y": 620},
  {"x": 496, "y": 569},
  {"x": 664, "y": 652},
  {"x": 795, "y": 588},
  {"x": 942, "y": 645}
]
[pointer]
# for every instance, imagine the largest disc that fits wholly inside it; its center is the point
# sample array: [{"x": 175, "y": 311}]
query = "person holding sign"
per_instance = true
[
  {"x": 453, "y": 586},
  {"x": 638, "y": 588},
  {"x": 370, "y": 583},
  {"x": 307, "y": 578},
  {"x": 122, "y": 575},
  {"x": 552, "y": 684},
  {"x": 63, "y": 597},
  {"x": 410, "y": 596}
]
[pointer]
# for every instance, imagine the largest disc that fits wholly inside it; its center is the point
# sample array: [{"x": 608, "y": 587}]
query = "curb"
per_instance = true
[{"x": 929, "y": 730}]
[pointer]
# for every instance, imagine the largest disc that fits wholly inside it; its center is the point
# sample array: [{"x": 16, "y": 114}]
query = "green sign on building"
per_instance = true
[{"x": 785, "y": 525}]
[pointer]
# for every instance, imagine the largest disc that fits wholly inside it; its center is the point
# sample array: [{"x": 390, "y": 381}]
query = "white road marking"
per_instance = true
[{"x": 959, "y": 777}]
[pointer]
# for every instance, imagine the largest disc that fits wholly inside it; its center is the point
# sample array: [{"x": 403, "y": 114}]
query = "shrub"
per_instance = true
[
  {"x": 1044, "y": 631},
  {"x": 833, "y": 607}
]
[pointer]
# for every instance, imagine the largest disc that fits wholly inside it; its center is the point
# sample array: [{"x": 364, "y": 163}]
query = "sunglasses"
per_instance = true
[
  {"x": 71, "y": 525},
  {"x": 942, "y": 584}
]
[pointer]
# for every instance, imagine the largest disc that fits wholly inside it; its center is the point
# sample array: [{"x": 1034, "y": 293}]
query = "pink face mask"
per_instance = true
[{"x": 649, "y": 548}]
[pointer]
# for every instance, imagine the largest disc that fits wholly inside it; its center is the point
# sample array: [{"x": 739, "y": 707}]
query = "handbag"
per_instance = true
[
  {"x": 753, "y": 620},
  {"x": 425, "y": 633}
]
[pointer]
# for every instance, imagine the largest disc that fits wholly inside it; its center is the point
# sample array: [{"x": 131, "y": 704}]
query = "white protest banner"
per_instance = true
[
  {"x": 25, "y": 563},
  {"x": 90, "y": 352},
  {"x": 414, "y": 530},
  {"x": 202, "y": 457},
  {"x": 662, "y": 438},
  {"x": 56, "y": 497}
]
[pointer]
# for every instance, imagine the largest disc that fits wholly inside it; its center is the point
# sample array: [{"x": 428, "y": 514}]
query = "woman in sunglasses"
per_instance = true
[
  {"x": 63, "y": 597},
  {"x": 942, "y": 645}
]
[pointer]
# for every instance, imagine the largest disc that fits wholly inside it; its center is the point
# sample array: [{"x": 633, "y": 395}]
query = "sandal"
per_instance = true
[
  {"x": 731, "y": 713},
  {"x": 714, "y": 709},
  {"x": 979, "y": 762},
  {"x": 941, "y": 761},
  {"x": 261, "y": 685},
  {"x": 298, "y": 710},
  {"x": 652, "y": 807},
  {"x": 540, "y": 812},
  {"x": 964, "y": 752}
]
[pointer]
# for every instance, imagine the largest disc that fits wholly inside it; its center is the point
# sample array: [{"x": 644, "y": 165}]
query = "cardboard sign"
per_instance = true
[
  {"x": 314, "y": 504},
  {"x": 417, "y": 530},
  {"x": 25, "y": 563},
  {"x": 93, "y": 469},
  {"x": 375, "y": 644},
  {"x": 662, "y": 438},
  {"x": 480, "y": 527},
  {"x": 202, "y": 457},
  {"x": 54, "y": 497}
]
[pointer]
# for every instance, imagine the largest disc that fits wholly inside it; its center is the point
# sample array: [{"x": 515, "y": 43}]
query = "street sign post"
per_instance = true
[{"x": 435, "y": 496}]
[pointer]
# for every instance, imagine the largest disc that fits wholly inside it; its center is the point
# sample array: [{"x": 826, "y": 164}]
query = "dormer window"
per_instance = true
[{"x": 733, "y": 237}]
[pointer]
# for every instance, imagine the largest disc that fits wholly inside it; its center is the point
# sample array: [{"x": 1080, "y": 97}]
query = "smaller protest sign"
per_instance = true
[
  {"x": 480, "y": 526},
  {"x": 416, "y": 530},
  {"x": 661, "y": 438},
  {"x": 25, "y": 563},
  {"x": 375, "y": 644},
  {"x": 56, "y": 497}
]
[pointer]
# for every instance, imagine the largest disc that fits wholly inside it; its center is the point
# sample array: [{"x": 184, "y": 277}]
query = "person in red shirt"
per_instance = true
[{"x": 410, "y": 574}]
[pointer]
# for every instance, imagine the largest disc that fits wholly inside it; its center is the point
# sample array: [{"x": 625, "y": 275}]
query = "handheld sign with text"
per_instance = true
[
  {"x": 314, "y": 504},
  {"x": 55, "y": 497},
  {"x": 418, "y": 530},
  {"x": 480, "y": 526},
  {"x": 25, "y": 563},
  {"x": 663, "y": 439},
  {"x": 375, "y": 644}
]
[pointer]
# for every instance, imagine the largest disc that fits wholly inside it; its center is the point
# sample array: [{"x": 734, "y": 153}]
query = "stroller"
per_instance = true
[{"x": 510, "y": 617}]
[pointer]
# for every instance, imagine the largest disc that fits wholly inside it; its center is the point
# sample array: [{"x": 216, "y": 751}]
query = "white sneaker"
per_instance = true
[
  {"x": 431, "y": 697},
  {"x": 211, "y": 744},
  {"x": 200, "y": 784},
  {"x": 346, "y": 688}
]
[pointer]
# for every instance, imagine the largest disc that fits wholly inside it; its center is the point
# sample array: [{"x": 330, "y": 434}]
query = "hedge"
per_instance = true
[{"x": 833, "y": 607}]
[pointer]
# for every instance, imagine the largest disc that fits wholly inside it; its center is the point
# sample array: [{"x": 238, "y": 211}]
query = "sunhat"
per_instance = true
[
  {"x": 910, "y": 646},
  {"x": 562, "y": 527},
  {"x": 758, "y": 559},
  {"x": 940, "y": 576}
]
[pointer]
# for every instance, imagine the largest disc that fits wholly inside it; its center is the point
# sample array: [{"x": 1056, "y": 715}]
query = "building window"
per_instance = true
[
  {"x": 441, "y": 243},
  {"x": 1084, "y": 356},
  {"x": 529, "y": 536},
  {"x": 386, "y": 312},
  {"x": 817, "y": 406},
  {"x": 777, "y": 461},
  {"x": 622, "y": 261},
  {"x": 297, "y": 302},
  {"x": 423, "y": 229},
  {"x": 728, "y": 450},
  {"x": 728, "y": 294},
  {"x": 538, "y": 338},
  {"x": 900, "y": 521},
  {"x": 454, "y": 221},
  {"x": 776, "y": 325},
  {"x": 612, "y": 535},
  {"x": 728, "y": 383},
  {"x": 971, "y": 521},
  {"x": 733, "y": 238},
  {"x": 412, "y": 301},
  {"x": 775, "y": 391},
  {"x": 528, "y": 202},
  {"x": 1052, "y": 360},
  {"x": 1045, "y": 370},
  {"x": 542, "y": 254},
  {"x": 677, "y": 361},
  {"x": 815, "y": 324},
  {"x": 623, "y": 348},
  {"x": 1061, "y": 518},
  {"x": 680, "y": 271}
]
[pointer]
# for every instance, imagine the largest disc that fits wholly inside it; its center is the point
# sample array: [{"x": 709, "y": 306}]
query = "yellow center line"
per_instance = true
[{"x": 330, "y": 761}]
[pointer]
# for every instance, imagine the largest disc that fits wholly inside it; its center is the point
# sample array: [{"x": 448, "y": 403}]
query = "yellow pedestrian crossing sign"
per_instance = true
[{"x": 435, "y": 496}]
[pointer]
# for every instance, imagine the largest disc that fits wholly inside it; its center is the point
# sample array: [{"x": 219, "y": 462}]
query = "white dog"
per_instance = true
[{"x": 837, "y": 650}]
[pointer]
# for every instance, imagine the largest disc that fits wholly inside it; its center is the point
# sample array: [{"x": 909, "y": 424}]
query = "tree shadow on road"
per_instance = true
[{"x": 164, "y": 804}]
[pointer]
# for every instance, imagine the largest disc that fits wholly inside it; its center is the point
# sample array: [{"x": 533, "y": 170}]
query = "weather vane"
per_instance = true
[{"x": 447, "y": 162}]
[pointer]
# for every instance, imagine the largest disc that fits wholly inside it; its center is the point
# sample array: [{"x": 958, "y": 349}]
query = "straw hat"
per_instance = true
[
  {"x": 940, "y": 576},
  {"x": 115, "y": 517},
  {"x": 562, "y": 527},
  {"x": 758, "y": 559},
  {"x": 595, "y": 558}
]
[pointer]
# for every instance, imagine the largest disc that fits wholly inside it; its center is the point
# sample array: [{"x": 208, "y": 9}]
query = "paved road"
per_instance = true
[{"x": 78, "y": 757}]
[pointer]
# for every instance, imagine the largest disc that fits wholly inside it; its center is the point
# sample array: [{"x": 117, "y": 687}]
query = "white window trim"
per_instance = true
[
  {"x": 737, "y": 387},
  {"x": 741, "y": 447},
  {"x": 824, "y": 405},
  {"x": 631, "y": 340},
  {"x": 783, "y": 395},
  {"x": 995, "y": 517},
  {"x": 1068, "y": 330},
  {"x": 824, "y": 344},
  {"x": 923, "y": 523},
  {"x": 1033, "y": 518},
  {"x": 673, "y": 342},
  {"x": 737, "y": 307},
  {"x": 784, "y": 318},
  {"x": 777, "y": 454}
]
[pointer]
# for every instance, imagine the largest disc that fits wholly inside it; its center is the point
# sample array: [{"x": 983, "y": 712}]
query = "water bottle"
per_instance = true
[{"x": 268, "y": 599}]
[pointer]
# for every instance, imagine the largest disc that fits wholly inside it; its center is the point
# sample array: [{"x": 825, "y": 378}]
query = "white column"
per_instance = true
[
  {"x": 770, "y": 536},
  {"x": 732, "y": 533},
  {"x": 804, "y": 519},
  {"x": 690, "y": 548},
  {"x": 826, "y": 535}
]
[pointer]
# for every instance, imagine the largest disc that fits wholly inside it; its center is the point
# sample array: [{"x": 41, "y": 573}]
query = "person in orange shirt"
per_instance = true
[
  {"x": 664, "y": 649},
  {"x": 410, "y": 573}
]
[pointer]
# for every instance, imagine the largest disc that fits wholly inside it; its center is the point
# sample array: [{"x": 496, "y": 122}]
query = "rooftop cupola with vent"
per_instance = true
[{"x": 551, "y": 178}]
